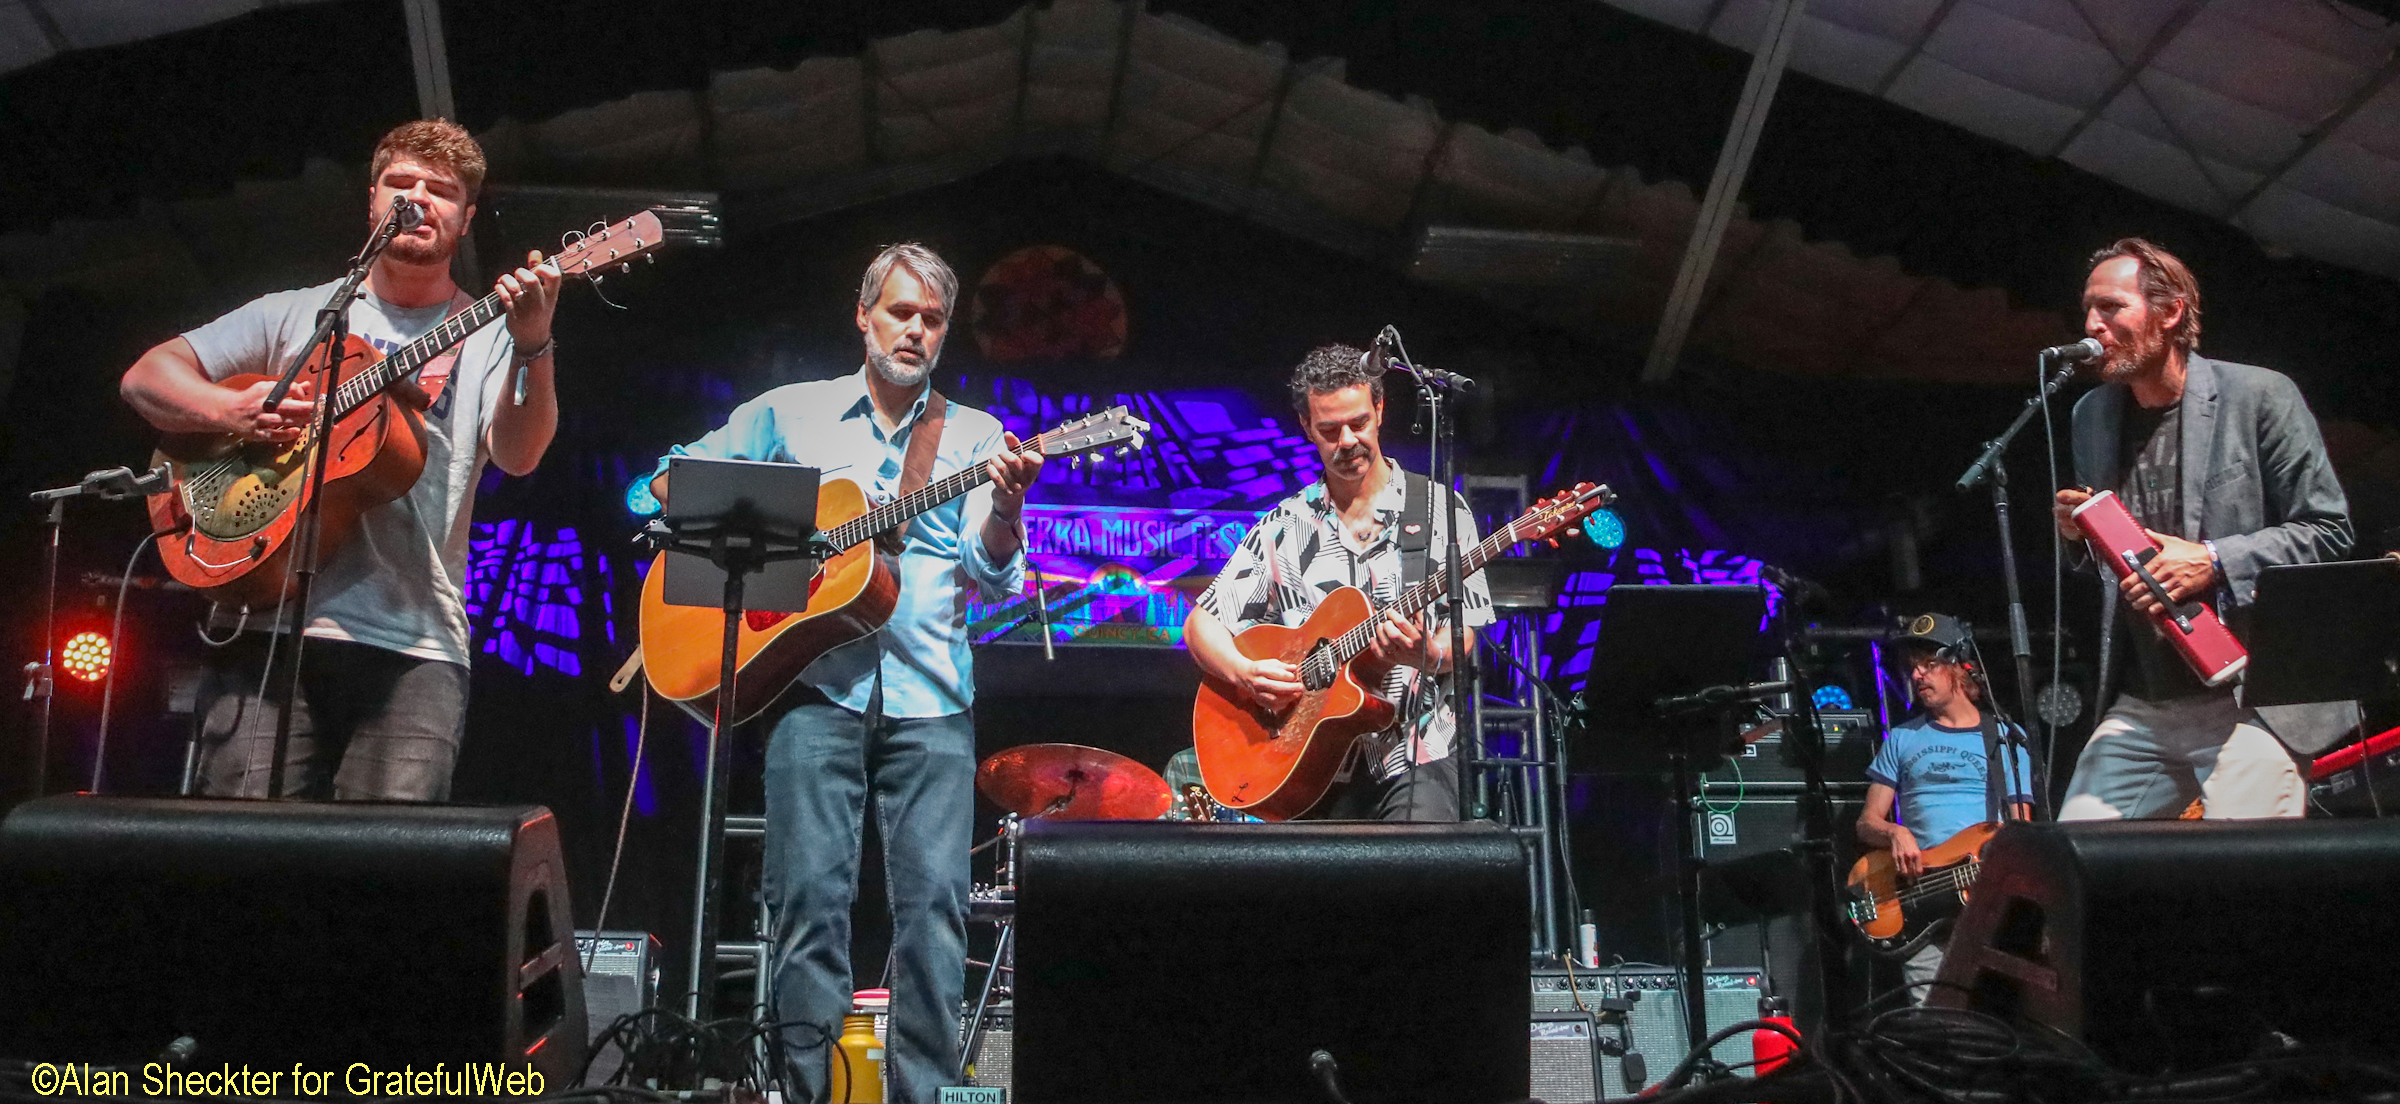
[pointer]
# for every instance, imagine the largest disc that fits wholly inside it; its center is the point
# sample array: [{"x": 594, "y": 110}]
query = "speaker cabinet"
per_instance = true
[
  {"x": 277, "y": 933},
  {"x": 1166, "y": 961},
  {"x": 2183, "y": 943}
]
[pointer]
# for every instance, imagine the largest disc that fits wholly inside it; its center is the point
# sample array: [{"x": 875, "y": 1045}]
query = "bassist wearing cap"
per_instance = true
[
  {"x": 1347, "y": 530},
  {"x": 888, "y": 713},
  {"x": 1933, "y": 770},
  {"x": 384, "y": 678},
  {"x": 2222, "y": 463}
]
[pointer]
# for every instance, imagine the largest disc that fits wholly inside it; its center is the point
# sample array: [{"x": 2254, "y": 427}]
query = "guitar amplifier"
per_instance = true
[
  {"x": 994, "y": 1066},
  {"x": 620, "y": 980},
  {"x": 1851, "y": 739},
  {"x": 1654, "y": 1029}
]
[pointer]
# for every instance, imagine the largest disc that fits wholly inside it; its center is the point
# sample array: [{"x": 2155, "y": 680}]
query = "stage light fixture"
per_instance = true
[
  {"x": 1606, "y": 529},
  {"x": 638, "y": 499},
  {"x": 85, "y": 656},
  {"x": 1830, "y": 696}
]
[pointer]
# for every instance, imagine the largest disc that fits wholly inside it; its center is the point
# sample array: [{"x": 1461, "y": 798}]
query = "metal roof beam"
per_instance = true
[
  {"x": 1724, "y": 188},
  {"x": 1883, "y": 84},
  {"x": 2127, "y": 71},
  {"x": 431, "y": 53},
  {"x": 49, "y": 25}
]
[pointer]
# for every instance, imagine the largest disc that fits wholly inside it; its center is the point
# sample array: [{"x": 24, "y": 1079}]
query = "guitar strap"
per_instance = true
[
  {"x": 1416, "y": 529},
  {"x": 916, "y": 467}
]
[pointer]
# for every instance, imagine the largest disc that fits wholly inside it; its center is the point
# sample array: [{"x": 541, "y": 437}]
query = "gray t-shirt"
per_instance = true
[{"x": 398, "y": 583}]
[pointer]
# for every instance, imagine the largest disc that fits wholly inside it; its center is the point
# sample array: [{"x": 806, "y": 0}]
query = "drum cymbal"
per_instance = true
[{"x": 1072, "y": 782}]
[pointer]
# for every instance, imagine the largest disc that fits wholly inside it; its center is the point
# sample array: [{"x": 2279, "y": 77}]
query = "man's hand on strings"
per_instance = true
[{"x": 245, "y": 415}]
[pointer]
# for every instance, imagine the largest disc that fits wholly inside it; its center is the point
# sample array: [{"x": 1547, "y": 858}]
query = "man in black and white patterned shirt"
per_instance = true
[{"x": 1344, "y": 530}]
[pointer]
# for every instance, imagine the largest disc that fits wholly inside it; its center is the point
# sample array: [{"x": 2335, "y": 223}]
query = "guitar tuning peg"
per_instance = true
[
  {"x": 1124, "y": 450},
  {"x": 1552, "y": 542}
]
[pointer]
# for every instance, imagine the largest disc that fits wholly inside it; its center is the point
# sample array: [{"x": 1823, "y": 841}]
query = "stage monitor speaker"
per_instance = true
[
  {"x": 1167, "y": 961},
  {"x": 282, "y": 933},
  {"x": 2185, "y": 943}
]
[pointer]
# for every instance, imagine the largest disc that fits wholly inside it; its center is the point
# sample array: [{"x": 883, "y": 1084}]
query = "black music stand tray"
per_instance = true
[
  {"x": 1659, "y": 642},
  {"x": 2325, "y": 632},
  {"x": 726, "y": 520}
]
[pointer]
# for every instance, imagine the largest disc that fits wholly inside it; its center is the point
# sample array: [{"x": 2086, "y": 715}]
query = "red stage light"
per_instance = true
[{"x": 86, "y": 656}]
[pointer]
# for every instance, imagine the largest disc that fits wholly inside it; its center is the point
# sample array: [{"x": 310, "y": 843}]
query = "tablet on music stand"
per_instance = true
[
  {"x": 2324, "y": 633},
  {"x": 772, "y": 504}
]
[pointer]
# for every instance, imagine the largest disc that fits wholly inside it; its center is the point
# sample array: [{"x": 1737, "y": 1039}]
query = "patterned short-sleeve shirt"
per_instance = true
[{"x": 1299, "y": 552}]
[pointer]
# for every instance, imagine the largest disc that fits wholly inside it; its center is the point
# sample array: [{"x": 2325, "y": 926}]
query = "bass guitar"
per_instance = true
[
  {"x": 1276, "y": 765},
  {"x": 226, "y": 524},
  {"x": 852, "y": 595},
  {"x": 1897, "y": 915}
]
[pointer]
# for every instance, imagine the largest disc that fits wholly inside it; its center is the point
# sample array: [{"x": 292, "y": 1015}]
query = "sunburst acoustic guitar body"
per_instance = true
[{"x": 853, "y": 595}]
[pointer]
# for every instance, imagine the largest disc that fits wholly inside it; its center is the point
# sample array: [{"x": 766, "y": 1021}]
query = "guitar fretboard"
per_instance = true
[
  {"x": 355, "y": 391},
  {"x": 897, "y": 512}
]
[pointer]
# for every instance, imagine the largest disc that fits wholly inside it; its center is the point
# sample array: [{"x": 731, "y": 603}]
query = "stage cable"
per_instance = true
[
  {"x": 2058, "y": 605},
  {"x": 116, "y": 654},
  {"x": 633, "y": 778}
]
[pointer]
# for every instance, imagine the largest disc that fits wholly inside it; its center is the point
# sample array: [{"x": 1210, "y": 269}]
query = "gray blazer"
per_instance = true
[{"x": 2257, "y": 482}]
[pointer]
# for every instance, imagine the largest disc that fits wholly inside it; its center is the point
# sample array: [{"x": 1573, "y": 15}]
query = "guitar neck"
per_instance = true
[
  {"x": 1433, "y": 589},
  {"x": 899, "y": 511},
  {"x": 355, "y": 391}
]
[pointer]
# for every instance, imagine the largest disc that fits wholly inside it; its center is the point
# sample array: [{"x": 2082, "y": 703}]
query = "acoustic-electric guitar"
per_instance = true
[
  {"x": 852, "y": 595},
  {"x": 225, "y": 526},
  {"x": 1275, "y": 765}
]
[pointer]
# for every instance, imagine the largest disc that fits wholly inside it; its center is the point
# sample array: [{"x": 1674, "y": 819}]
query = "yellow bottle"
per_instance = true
[{"x": 857, "y": 1062}]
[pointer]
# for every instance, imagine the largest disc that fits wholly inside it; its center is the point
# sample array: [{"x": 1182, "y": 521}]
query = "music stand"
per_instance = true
[
  {"x": 1658, "y": 643},
  {"x": 725, "y": 521},
  {"x": 2324, "y": 632}
]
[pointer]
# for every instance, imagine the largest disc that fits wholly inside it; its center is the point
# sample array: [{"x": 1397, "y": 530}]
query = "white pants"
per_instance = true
[
  {"x": 2150, "y": 759},
  {"x": 1920, "y": 970}
]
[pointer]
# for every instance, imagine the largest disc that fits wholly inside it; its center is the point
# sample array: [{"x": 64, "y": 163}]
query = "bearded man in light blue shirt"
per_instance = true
[{"x": 891, "y": 714}]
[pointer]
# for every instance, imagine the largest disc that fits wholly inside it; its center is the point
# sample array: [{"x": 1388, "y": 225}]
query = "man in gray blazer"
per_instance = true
[{"x": 2223, "y": 464}]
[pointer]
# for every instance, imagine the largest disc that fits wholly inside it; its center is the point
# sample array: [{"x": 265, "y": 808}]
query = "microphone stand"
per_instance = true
[
  {"x": 332, "y": 334},
  {"x": 1988, "y": 469},
  {"x": 1434, "y": 387},
  {"x": 41, "y": 678}
]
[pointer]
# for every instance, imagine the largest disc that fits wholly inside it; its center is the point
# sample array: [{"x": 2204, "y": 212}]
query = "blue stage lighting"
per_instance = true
[
  {"x": 1605, "y": 528},
  {"x": 639, "y": 500},
  {"x": 1830, "y": 696}
]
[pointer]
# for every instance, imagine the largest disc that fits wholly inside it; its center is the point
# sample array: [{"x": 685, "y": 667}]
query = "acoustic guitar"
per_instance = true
[
  {"x": 226, "y": 524},
  {"x": 1898, "y": 915},
  {"x": 852, "y": 595},
  {"x": 1276, "y": 765}
]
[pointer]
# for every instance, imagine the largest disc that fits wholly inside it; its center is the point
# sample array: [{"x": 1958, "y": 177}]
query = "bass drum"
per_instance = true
[{"x": 1191, "y": 795}]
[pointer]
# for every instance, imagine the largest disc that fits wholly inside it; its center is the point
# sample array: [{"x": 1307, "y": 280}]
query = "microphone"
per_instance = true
[
  {"x": 2086, "y": 349},
  {"x": 408, "y": 214},
  {"x": 1388, "y": 340}
]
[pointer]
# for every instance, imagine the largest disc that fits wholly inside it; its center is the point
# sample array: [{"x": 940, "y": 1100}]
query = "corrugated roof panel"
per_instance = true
[
  {"x": 2217, "y": 125},
  {"x": 1899, "y": 21},
  {"x": 2159, "y": 169},
  {"x": 2349, "y": 176},
  {"x": 2311, "y": 226},
  {"x": 2239, "y": 62},
  {"x": 1937, "y": 88},
  {"x": 1845, "y": 55},
  {"x": 2068, "y": 69}
]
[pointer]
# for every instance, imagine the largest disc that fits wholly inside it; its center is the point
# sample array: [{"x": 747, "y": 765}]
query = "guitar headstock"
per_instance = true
[
  {"x": 612, "y": 247},
  {"x": 1552, "y": 516},
  {"x": 1115, "y": 427}
]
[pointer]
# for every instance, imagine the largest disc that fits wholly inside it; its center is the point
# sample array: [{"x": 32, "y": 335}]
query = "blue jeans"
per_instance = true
[{"x": 822, "y": 762}]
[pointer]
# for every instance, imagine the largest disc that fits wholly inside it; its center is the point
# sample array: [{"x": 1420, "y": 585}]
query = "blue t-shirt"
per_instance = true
[{"x": 1939, "y": 773}]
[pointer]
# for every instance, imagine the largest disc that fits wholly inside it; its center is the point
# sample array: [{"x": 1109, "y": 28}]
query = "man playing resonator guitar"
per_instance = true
[
  {"x": 1346, "y": 530},
  {"x": 384, "y": 684}
]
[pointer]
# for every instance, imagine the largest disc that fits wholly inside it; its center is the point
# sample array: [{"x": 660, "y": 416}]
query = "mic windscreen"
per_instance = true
[{"x": 410, "y": 215}]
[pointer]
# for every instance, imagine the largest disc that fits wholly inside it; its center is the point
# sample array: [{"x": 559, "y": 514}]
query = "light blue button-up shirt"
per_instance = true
[{"x": 922, "y": 653}]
